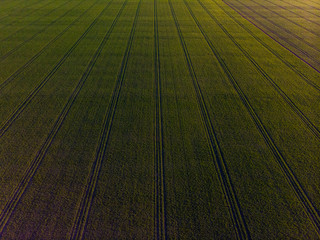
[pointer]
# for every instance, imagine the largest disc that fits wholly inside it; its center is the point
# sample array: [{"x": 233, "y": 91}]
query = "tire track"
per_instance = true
[
  {"x": 89, "y": 192},
  {"x": 301, "y": 8},
  {"x": 34, "y": 22},
  {"x": 300, "y": 16},
  {"x": 302, "y": 196},
  {"x": 295, "y": 36},
  {"x": 312, "y": 128},
  {"x": 35, "y": 163},
  {"x": 240, "y": 225},
  {"x": 317, "y": 3},
  {"x": 159, "y": 169},
  {"x": 6, "y": 55},
  {"x": 5, "y": 126},
  {"x": 20, "y": 10},
  {"x": 288, "y": 19},
  {"x": 32, "y": 59},
  {"x": 311, "y": 83},
  {"x": 308, "y": 5},
  {"x": 301, "y": 39},
  {"x": 10, "y": 7},
  {"x": 28, "y": 14},
  {"x": 295, "y": 47}
]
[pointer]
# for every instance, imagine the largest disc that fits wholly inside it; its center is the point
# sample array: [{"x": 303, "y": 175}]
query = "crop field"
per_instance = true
[
  {"x": 294, "y": 24},
  {"x": 159, "y": 119}
]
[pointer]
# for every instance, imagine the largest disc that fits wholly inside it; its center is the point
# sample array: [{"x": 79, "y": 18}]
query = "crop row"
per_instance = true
[{"x": 171, "y": 119}]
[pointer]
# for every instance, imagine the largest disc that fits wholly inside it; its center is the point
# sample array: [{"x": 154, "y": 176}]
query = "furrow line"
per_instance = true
[
  {"x": 289, "y": 20},
  {"x": 300, "y": 16},
  {"x": 35, "y": 21},
  {"x": 301, "y": 39},
  {"x": 311, "y": 2},
  {"x": 294, "y": 69},
  {"x": 313, "y": 129},
  {"x": 159, "y": 171},
  {"x": 302, "y": 196},
  {"x": 304, "y": 2},
  {"x": 88, "y": 194},
  {"x": 10, "y": 9},
  {"x": 6, "y": 55},
  {"x": 278, "y": 41},
  {"x": 35, "y": 163},
  {"x": 240, "y": 225},
  {"x": 35, "y": 10},
  {"x": 5, "y": 126},
  {"x": 20, "y": 10},
  {"x": 32, "y": 59},
  {"x": 303, "y": 9}
]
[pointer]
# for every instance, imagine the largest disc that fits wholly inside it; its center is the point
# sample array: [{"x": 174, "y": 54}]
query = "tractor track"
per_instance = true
[
  {"x": 289, "y": 20},
  {"x": 159, "y": 167},
  {"x": 312, "y": 128},
  {"x": 34, "y": 22},
  {"x": 7, "y": 54},
  {"x": 5, "y": 126},
  {"x": 20, "y": 10},
  {"x": 295, "y": 36},
  {"x": 304, "y": 2},
  {"x": 284, "y": 39},
  {"x": 35, "y": 10},
  {"x": 240, "y": 225},
  {"x": 88, "y": 195},
  {"x": 32, "y": 59},
  {"x": 36, "y": 162},
  {"x": 292, "y": 180},
  {"x": 294, "y": 69},
  {"x": 9, "y": 8},
  {"x": 312, "y": 65},
  {"x": 300, "y": 16}
]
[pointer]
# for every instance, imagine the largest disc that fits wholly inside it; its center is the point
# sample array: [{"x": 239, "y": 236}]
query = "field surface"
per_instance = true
[
  {"x": 159, "y": 119},
  {"x": 293, "y": 24}
]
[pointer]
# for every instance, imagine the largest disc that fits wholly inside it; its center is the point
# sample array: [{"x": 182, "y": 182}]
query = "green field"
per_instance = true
[{"x": 159, "y": 119}]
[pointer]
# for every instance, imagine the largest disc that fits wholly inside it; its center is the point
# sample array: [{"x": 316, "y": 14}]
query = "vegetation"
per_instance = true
[{"x": 159, "y": 119}]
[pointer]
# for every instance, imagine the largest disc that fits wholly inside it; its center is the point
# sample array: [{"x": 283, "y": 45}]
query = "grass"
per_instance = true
[{"x": 155, "y": 119}]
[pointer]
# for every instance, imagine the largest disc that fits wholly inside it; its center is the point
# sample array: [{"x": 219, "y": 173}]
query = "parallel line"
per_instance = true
[
  {"x": 9, "y": 8},
  {"x": 20, "y": 10},
  {"x": 288, "y": 19},
  {"x": 312, "y": 128},
  {"x": 33, "y": 58},
  {"x": 35, "y": 163},
  {"x": 299, "y": 15},
  {"x": 16, "y": 19},
  {"x": 304, "y": 2},
  {"x": 80, "y": 222},
  {"x": 283, "y": 38},
  {"x": 295, "y": 47},
  {"x": 292, "y": 180},
  {"x": 295, "y": 36},
  {"x": 294, "y": 69},
  {"x": 33, "y": 22},
  {"x": 16, "y": 113},
  {"x": 159, "y": 171},
  {"x": 237, "y": 217},
  {"x": 7, "y": 54}
]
